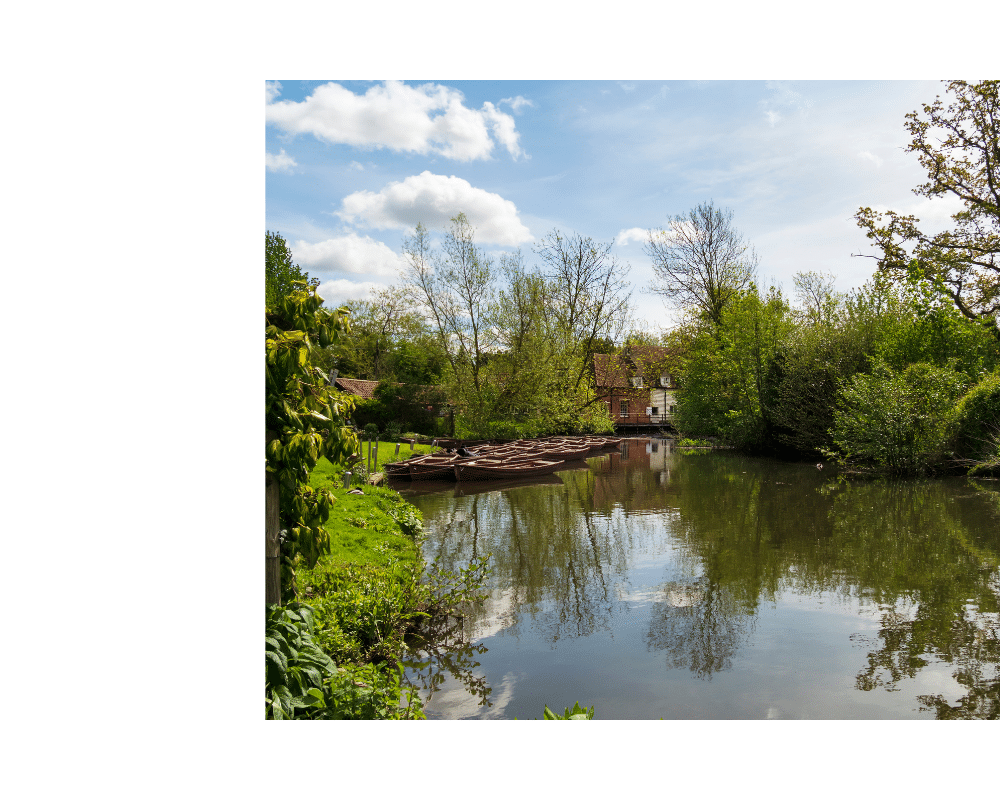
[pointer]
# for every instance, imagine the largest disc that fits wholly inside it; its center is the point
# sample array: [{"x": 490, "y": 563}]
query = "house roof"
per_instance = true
[
  {"x": 616, "y": 371},
  {"x": 366, "y": 389},
  {"x": 357, "y": 387}
]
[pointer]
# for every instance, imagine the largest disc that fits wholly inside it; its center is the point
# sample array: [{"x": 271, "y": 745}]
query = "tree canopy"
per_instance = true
[
  {"x": 280, "y": 273},
  {"x": 959, "y": 147},
  {"x": 518, "y": 340}
]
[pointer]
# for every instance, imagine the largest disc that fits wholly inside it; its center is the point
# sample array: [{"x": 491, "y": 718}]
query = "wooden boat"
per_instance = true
[
  {"x": 494, "y": 469},
  {"x": 399, "y": 469},
  {"x": 430, "y": 468}
]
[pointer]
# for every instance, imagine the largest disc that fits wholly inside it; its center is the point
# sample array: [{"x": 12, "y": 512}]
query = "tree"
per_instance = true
[
  {"x": 388, "y": 341},
  {"x": 589, "y": 294},
  {"x": 701, "y": 261},
  {"x": 280, "y": 274},
  {"x": 455, "y": 289},
  {"x": 725, "y": 376},
  {"x": 518, "y": 340},
  {"x": 959, "y": 146},
  {"x": 304, "y": 419},
  {"x": 816, "y": 294}
]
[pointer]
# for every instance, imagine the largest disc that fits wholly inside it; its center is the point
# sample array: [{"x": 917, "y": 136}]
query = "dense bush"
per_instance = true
[
  {"x": 303, "y": 682},
  {"x": 897, "y": 421},
  {"x": 976, "y": 423}
]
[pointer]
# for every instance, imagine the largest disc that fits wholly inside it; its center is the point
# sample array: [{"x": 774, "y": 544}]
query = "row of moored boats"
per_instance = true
[{"x": 522, "y": 458}]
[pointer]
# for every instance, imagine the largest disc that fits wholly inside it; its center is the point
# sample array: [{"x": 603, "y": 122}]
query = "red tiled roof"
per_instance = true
[
  {"x": 616, "y": 371},
  {"x": 357, "y": 387}
]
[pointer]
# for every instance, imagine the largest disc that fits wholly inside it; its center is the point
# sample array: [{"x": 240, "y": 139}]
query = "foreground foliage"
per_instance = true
[
  {"x": 304, "y": 419},
  {"x": 303, "y": 682},
  {"x": 577, "y": 712}
]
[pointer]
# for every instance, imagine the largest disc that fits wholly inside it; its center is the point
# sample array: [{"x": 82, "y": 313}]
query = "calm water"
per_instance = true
[{"x": 652, "y": 583}]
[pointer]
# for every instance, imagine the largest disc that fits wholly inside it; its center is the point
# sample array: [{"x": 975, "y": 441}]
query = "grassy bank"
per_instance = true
[{"x": 352, "y": 610}]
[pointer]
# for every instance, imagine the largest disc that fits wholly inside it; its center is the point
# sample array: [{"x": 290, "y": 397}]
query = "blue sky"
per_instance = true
[{"x": 353, "y": 165}]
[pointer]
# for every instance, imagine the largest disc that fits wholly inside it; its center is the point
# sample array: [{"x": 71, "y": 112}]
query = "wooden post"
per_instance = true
[
  {"x": 272, "y": 533},
  {"x": 272, "y": 542},
  {"x": 375, "y": 462}
]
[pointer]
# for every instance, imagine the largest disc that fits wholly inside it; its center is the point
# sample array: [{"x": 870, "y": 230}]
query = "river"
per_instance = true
[{"x": 656, "y": 583}]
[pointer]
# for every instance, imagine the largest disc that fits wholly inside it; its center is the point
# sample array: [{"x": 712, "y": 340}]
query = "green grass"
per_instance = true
[
  {"x": 364, "y": 591},
  {"x": 366, "y": 528},
  {"x": 387, "y": 451}
]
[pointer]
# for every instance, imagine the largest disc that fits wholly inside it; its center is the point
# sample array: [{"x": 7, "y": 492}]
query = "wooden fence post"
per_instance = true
[{"x": 272, "y": 542}]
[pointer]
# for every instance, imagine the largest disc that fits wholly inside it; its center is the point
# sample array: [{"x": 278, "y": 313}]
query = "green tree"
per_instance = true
[
  {"x": 518, "y": 340},
  {"x": 724, "y": 378},
  {"x": 959, "y": 147},
  {"x": 280, "y": 274},
  {"x": 304, "y": 419}
]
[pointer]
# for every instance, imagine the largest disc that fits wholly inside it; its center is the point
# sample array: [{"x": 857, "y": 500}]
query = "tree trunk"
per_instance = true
[{"x": 272, "y": 544}]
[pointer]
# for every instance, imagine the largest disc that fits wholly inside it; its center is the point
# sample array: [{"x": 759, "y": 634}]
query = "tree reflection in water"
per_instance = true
[{"x": 699, "y": 626}]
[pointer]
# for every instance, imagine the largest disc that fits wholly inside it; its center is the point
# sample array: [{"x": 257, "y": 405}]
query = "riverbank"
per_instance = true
[{"x": 334, "y": 649}]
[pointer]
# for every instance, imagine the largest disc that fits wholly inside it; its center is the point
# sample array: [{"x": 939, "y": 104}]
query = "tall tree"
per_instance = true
[
  {"x": 959, "y": 147},
  {"x": 280, "y": 273},
  {"x": 590, "y": 295},
  {"x": 701, "y": 261},
  {"x": 455, "y": 288}
]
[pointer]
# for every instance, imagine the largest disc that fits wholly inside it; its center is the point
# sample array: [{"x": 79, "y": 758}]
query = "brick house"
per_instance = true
[{"x": 636, "y": 386}]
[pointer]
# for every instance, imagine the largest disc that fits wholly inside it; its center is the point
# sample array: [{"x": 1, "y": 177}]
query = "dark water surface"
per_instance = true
[{"x": 653, "y": 583}]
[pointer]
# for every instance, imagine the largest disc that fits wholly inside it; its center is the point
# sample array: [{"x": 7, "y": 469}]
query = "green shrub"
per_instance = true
[
  {"x": 976, "y": 421},
  {"x": 295, "y": 666},
  {"x": 393, "y": 431},
  {"x": 896, "y": 421}
]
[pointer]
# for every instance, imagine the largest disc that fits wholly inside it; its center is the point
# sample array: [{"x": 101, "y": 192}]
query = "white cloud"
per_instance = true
[
  {"x": 773, "y": 117},
  {"x": 357, "y": 166},
  {"x": 871, "y": 157},
  {"x": 336, "y": 293},
  {"x": 631, "y": 235},
  {"x": 279, "y": 163},
  {"x": 271, "y": 90},
  {"x": 503, "y": 129},
  {"x": 419, "y": 119},
  {"x": 359, "y": 255},
  {"x": 434, "y": 200},
  {"x": 517, "y": 103}
]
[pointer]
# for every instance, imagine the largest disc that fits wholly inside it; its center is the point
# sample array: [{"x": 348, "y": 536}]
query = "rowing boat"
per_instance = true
[{"x": 485, "y": 469}]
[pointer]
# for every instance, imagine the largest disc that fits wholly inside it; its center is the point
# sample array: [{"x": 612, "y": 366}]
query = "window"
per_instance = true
[
  {"x": 673, "y": 409},
  {"x": 636, "y": 383},
  {"x": 623, "y": 408},
  {"x": 665, "y": 380},
  {"x": 656, "y": 410}
]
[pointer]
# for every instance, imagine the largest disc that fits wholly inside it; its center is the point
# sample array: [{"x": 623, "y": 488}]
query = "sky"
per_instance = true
[{"x": 353, "y": 166}]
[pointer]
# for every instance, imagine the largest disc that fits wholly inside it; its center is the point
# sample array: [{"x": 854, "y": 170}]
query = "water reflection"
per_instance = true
[{"x": 697, "y": 549}]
